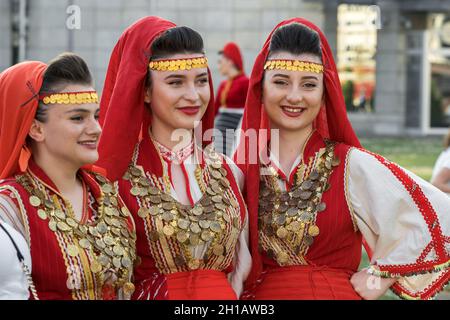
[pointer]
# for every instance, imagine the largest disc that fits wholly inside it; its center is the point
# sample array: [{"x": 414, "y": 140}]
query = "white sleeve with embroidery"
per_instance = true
[
  {"x": 405, "y": 222},
  {"x": 10, "y": 214}
]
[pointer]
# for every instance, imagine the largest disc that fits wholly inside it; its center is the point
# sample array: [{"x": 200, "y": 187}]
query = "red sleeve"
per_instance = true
[{"x": 217, "y": 98}]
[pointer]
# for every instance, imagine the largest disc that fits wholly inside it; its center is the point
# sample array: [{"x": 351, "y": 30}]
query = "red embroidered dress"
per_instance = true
[{"x": 89, "y": 260}]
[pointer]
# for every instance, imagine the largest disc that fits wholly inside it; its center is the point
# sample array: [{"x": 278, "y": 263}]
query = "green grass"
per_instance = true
[{"x": 416, "y": 155}]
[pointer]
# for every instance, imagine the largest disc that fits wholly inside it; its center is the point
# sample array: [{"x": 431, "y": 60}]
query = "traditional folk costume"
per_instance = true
[
  {"x": 307, "y": 225},
  {"x": 87, "y": 259},
  {"x": 230, "y": 101},
  {"x": 190, "y": 218}
]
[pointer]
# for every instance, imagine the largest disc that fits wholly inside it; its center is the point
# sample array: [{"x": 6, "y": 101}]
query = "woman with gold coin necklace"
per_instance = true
[
  {"x": 315, "y": 193},
  {"x": 80, "y": 234},
  {"x": 185, "y": 198}
]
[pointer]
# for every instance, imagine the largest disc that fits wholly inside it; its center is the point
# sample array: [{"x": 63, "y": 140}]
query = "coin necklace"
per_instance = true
[
  {"x": 108, "y": 238},
  {"x": 290, "y": 216}
]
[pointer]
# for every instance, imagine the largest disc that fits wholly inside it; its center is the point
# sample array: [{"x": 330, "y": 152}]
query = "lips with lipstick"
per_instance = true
[
  {"x": 292, "y": 111},
  {"x": 90, "y": 144},
  {"x": 190, "y": 110}
]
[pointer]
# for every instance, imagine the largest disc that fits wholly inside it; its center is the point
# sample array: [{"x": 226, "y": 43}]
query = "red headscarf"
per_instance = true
[
  {"x": 122, "y": 109},
  {"x": 231, "y": 51},
  {"x": 19, "y": 99},
  {"x": 331, "y": 122}
]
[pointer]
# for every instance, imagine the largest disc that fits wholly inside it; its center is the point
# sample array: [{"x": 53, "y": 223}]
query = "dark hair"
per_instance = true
[
  {"x": 297, "y": 39},
  {"x": 174, "y": 41},
  {"x": 67, "y": 68}
]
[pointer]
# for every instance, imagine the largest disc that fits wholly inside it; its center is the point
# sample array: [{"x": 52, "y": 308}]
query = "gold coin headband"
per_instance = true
[
  {"x": 70, "y": 97},
  {"x": 178, "y": 64},
  {"x": 293, "y": 65}
]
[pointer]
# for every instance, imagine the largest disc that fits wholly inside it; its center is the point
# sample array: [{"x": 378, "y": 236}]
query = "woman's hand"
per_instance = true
[{"x": 369, "y": 286}]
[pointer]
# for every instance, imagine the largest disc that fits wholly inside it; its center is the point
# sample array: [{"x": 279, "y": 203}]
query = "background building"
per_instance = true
[{"x": 393, "y": 56}]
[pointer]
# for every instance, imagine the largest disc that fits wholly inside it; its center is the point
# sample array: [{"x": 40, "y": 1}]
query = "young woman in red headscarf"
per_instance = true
[
  {"x": 313, "y": 193},
  {"x": 185, "y": 198},
  {"x": 80, "y": 234},
  {"x": 230, "y": 101}
]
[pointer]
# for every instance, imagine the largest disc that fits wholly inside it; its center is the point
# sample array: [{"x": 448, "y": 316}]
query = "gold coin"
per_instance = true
[
  {"x": 107, "y": 188},
  {"x": 207, "y": 235},
  {"x": 116, "y": 262},
  {"x": 168, "y": 230},
  {"x": 313, "y": 231},
  {"x": 135, "y": 191},
  {"x": 135, "y": 171},
  {"x": 167, "y": 206},
  {"x": 143, "y": 212},
  {"x": 216, "y": 165},
  {"x": 216, "y": 174},
  {"x": 223, "y": 172},
  {"x": 195, "y": 228},
  {"x": 210, "y": 191},
  {"x": 143, "y": 192},
  {"x": 194, "y": 239},
  {"x": 218, "y": 249},
  {"x": 167, "y": 216},
  {"x": 215, "y": 226},
  {"x": 96, "y": 267},
  {"x": 321, "y": 207},
  {"x": 292, "y": 212},
  {"x": 72, "y": 250},
  {"x": 71, "y": 222},
  {"x": 125, "y": 233},
  {"x": 336, "y": 161},
  {"x": 221, "y": 206},
  {"x": 153, "y": 191},
  {"x": 236, "y": 222},
  {"x": 100, "y": 243},
  {"x": 234, "y": 203},
  {"x": 63, "y": 226},
  {"x": 217, "y": 199},
  {"x": 125, "y": 212},
  {"x": 42, "y": 214},
  {"x": 204, "y": 224},
  {"x": 128, "y": 288},
  {"x": 226, "y": 217},
  {"x": 305, "y": 195},
  {"x": 84, "y": 243},
  {"x": 224, "y": 182},
  {"x": 306, "y": 185},
  {"x": 153, "y": 210},
  {"x": 194, "y": 264},
  {"x": 282, "y": 257},
  {"x": 197, "y": 211},
  {"x": 35, "y": 201},
  {"x": 183, "y": 224},
  {"x": 126, "y": 262},
  {"x": 205, "y": 201},
  {"x": 182, "y": 236},
  {"x": 295, "y": 226},
  {"x": 144, "y": 182},
  {"x": 104, "y": 260},
  {"x": 114, "y": 201},
  {"x": 102, "y": 227},
  {"x": 314, "y": 175},
  {"x": 108, "y": 240},
  {"x": 165, "y": 197},
  {"x": 282, "y": 232},
  {"x": 60, "y": 214},
  {"x": 118, "y": 250}
]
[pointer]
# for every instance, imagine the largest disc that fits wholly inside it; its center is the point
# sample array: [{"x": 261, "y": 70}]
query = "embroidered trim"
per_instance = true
[
  {"x": 346, "y": 190},
  {"x": 430, "y": 218}
]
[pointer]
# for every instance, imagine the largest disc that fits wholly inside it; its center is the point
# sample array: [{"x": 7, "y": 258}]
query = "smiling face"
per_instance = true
[
  {"x": 70, "y": 132},
  {"x": 178, "y": 98},
  {"x": 292, "y": 99}
]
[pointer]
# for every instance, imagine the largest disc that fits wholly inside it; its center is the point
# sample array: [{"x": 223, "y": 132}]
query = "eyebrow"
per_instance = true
[
  {"x": 181, "y": 76},
  {"x": 287, "y": 77},
  {"x": 82, "y": 110}
]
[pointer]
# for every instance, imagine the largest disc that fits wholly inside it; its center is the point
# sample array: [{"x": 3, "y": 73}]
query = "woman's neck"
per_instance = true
[
  {"x": 233, "y": 73},
  {"x": 291, "y": 144},
  {"x": 172, "y": 140},
  {"x": 62, "y": 174}
]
